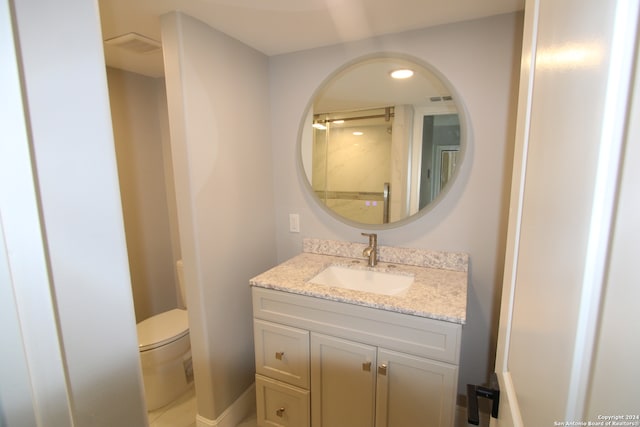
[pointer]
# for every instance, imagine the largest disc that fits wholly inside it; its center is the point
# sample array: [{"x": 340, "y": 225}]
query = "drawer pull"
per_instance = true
[
  {"x": 382, "y": 369},
  {"x": 366, "y": 366},
  {"x": 280, "y": 412},
  {"x": 279, "y": 355}
]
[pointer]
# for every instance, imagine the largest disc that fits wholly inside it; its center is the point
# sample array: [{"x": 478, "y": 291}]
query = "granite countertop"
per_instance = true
[{"x": 439, "y": 290}]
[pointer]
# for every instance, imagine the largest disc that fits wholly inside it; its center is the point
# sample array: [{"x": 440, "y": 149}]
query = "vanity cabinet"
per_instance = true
[{"x": 325, "y": 363}]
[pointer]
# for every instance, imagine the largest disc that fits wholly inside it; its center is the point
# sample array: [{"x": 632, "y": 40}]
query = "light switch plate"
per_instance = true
[{"x": 294, "y": 223}]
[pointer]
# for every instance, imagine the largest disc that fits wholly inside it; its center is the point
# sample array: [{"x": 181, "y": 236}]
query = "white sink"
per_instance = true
[{"x": 377, "y": 282}]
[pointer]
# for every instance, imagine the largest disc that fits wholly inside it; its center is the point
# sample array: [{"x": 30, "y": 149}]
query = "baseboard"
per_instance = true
[{"x": 234, "y": 414}]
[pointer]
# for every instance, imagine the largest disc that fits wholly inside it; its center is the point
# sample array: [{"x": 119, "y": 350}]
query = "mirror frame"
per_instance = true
[{"x": 465, "y": 142}]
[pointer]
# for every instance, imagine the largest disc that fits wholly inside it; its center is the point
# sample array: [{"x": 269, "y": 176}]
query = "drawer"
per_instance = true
[
  {"x": 281, "y": 405},
  {"x": 282, "y": 352}
]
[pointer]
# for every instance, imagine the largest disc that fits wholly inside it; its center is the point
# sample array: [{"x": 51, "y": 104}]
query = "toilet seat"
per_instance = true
[{"x": 162, "y": 329}]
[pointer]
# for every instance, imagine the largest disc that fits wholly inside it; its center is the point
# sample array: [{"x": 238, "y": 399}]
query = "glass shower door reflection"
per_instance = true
[{"x": 351, "y": 164}]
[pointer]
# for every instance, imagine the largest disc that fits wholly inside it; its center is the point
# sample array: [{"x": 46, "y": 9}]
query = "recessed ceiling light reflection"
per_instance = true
[
  {"x": 358, "y": 133},
  {"x": 403, "y": 73}
]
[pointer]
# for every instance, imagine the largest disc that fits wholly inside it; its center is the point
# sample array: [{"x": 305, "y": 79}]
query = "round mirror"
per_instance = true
[{"x": 382, "y": 141}]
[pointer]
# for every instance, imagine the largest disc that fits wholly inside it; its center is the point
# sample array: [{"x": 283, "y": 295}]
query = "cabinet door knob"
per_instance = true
[
  {"x": 279, "y": 355},
  {"x": 366, "y": 366},
  {"x": 280, "y": 412},
  {"x": 382, "y": 369}
]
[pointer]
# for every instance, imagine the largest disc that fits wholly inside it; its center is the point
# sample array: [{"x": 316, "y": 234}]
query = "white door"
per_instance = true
[{"x": 572, "y": 118}]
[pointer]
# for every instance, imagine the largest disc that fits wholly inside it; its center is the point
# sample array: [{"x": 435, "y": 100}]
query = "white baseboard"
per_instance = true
[{"x": 234, "y": 414}]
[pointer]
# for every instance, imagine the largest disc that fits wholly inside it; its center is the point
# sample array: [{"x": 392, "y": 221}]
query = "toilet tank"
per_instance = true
[{"x": 181, "y": 284}]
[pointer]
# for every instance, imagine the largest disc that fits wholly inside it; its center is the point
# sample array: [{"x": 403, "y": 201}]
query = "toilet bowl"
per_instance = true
[{"x": 165, "y": 354}]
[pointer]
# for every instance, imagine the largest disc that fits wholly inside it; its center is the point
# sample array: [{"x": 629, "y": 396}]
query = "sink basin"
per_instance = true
[{"x": 377, "y": 282}]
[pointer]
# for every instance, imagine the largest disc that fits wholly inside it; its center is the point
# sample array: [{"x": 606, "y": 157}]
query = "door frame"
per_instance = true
[{"x": 601, "y": 215}]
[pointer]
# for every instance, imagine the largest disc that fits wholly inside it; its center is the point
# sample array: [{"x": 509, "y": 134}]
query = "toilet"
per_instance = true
[{"x": 165, "y": 353}]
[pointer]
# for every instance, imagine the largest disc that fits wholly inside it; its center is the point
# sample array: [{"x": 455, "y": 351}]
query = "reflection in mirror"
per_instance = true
[{"x": 377, "y": 150}]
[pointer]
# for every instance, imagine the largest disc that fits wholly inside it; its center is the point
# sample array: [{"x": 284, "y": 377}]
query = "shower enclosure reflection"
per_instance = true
[
  {"x": 361, "y": 161},
  {"x": 351, "y": 167}
]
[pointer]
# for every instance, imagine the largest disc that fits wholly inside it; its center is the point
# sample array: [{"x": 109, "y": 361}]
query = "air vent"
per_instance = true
[
  {"x": 134, "y": 42},
  {"x": 441, "y": 98}
]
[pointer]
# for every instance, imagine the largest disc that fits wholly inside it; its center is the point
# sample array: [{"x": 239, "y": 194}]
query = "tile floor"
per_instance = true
[
  {"x": 249, "y": 422},
  {"x": 182, "y": 413}
]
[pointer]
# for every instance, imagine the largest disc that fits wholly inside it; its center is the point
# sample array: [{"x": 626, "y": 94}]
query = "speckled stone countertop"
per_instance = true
[{"x": 439, "y": 289}]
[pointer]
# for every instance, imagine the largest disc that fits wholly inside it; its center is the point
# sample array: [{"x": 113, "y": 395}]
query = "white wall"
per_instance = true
[
  {"x": 135, "y": 113},
  {"x": 217, "y": 91},
  {"x": 481, "y": 59},
  {"x": 67, "y": 114}
]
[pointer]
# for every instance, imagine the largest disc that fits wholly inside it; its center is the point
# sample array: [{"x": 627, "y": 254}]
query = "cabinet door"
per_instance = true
[
  {"x": 342, "y": 382},
  {"x": 414, "y": 392}
]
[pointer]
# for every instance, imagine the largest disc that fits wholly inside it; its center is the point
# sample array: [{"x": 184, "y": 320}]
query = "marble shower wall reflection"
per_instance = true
[{"x": 351, "y": 165}]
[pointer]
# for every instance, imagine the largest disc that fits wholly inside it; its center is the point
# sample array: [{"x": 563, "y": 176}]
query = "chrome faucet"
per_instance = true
[{"x": 371, "y": 251}]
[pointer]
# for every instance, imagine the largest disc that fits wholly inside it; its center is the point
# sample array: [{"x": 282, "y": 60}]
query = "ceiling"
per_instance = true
[
  {"x": 275, "y": 27},
  {"x": 368, "y": 85}
]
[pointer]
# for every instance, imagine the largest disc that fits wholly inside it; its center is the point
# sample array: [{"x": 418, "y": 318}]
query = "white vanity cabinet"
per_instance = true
[{"x": 331, "y": 364}]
